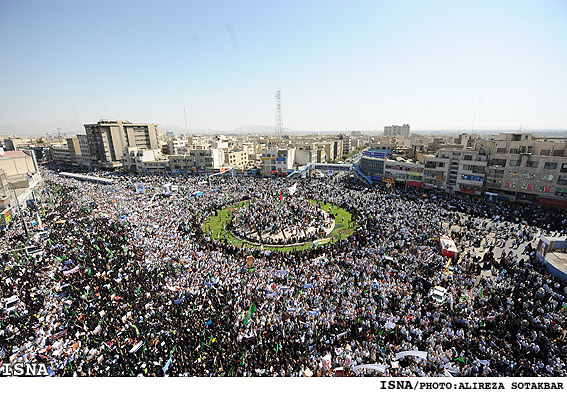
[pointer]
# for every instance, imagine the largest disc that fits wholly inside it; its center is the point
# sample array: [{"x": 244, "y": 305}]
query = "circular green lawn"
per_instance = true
[{"x": 215, "y": 225}]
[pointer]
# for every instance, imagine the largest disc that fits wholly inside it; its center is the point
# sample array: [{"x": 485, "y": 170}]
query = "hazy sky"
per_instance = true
[{"x": 340, "y": 65}]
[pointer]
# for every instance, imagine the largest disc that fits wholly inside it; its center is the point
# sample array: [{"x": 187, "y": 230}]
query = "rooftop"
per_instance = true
[{"x": 13, "y": 154}]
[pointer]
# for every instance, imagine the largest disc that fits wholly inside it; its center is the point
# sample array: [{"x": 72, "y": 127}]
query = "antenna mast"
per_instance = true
[
  {"x": 278, "y": 116},
  {"x": 185, "y": 114}
]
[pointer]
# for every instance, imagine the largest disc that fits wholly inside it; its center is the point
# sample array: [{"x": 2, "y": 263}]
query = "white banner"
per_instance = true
[
  {"x": 136, "y": 347},
  {"x": 292, "y": 189},
  {"x": 378, "y": 367},
  {"x": 73, "y": 270},
  {"x": 419, "y": 354}
]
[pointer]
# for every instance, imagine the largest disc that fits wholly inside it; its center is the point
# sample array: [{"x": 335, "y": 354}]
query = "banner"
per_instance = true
[
  {"x": 73, "y": 270},
  {"x": 249, "y": 262},
  {"x": 292, "y": 189},
  {"x": 167, "y": 364},
  {"x": 136, "y": 347},
  {"x": 378, "y": 367},
  {"x": 419, "y": 354}
]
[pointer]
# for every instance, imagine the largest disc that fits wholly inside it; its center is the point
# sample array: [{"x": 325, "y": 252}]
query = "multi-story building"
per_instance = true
[
  {"x": 526, "y": 169},
  {"x": 108, "y": 139},
  {"x": 59, "y": 153},
  {"x": 16, "y": 143},
  {"x": 177, "y": 146},
  {"x": 85, "y": 158},
  {"x": 403, "y": 130},
  {"x": 198, "y": 161},
  {"x": 409, "y": 172},
  {"x": 347, "y": 145},
  {"x": 372, "y": 163},
  {"x": 456, "y": 170},
  {"x": 74, "y": 149},
  {"x": 145, "y": 161},
  {"x": 277, "y": 161},
  {"x": 306, "y": 155},
  {"x": 333, "y": 149},
  {"x": 435, "y": 171},
  {"x": 19, "y": 177},
  {"x": 236, "y": 159}
]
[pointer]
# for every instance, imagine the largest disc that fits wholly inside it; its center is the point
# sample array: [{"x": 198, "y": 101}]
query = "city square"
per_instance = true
[{"x": 137, "y": 285}]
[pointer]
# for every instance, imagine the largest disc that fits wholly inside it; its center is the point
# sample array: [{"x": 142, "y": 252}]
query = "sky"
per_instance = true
[{"x": 340, "y": 65}]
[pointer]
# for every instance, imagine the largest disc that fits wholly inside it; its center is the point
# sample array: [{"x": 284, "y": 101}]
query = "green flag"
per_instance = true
[
  {"x": 250, "y": 311},
  {"x": 460, "y": 359}
]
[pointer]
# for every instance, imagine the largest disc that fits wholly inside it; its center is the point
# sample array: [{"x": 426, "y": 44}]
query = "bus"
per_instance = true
[{"x": 448, "y": 247}]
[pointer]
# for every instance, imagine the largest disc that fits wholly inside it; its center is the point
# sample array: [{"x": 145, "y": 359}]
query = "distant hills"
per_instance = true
[{"x": 69, "y": 128}]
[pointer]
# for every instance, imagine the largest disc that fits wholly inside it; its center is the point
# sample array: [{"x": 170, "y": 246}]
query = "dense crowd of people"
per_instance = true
[
  {"x": 280, "y": 220},
  {"x": 130, "y": 284}
]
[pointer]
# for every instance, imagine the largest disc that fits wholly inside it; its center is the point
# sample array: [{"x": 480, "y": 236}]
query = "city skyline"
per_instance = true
[{"x": 362, "y": 66}]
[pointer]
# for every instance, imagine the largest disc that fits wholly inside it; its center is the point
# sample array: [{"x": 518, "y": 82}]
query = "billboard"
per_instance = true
[
  {"x": 5, "y": 216},
  {"x": 374, "y": 154}
]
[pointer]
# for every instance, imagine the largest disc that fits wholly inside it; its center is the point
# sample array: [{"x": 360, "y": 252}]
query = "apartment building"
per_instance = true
[
  {"x": 525, "y": 169},
  {"x": 150, "y": 161},
  {"x": 277, "y": 161},
  {"x": 409, "y": 172},
  {"x": 176, "y": 146},
  {"x": 74, "y": 149},
  {"x": 198, "y": 161},
  {"x": 236, "y": 159},
  {"x": 107, "y": 140},
  {"x": 85, "y": 158},
  {"x": 403, "y": 130}
]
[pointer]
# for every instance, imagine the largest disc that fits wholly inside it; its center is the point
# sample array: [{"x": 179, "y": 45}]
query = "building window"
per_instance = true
[
  {"x": 514, "y": 151},
  {"x": 561, "y": 192},
  {"x": 532, "y": 164},
  {"x": 545, "y": 152},
  {"x": 468, "y": 158},
  {"x": 499, "y": 162},
  {"x": 558, "y": 153},
  {"x": 547, "y": 177},
  {"x": 472, "y": 178},
  {"x": 501, "y": 150},
  {"x": 550, "y": 165},
  {"x": 514, "y": 163},
  {"x": 562, "y": 180},
  {"x": 494, "y": 181},
  {"x": 529, "y": 175}
]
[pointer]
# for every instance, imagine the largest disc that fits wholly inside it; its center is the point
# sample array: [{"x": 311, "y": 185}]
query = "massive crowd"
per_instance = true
[
  {"x": 129, "y": 284},
  {"x": 280, "y": 220}
]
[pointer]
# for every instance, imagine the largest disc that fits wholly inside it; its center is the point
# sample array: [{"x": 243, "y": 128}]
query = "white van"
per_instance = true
[
  {"x": 438, "y": 294},
  {"x": 10, "y": 303}
]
